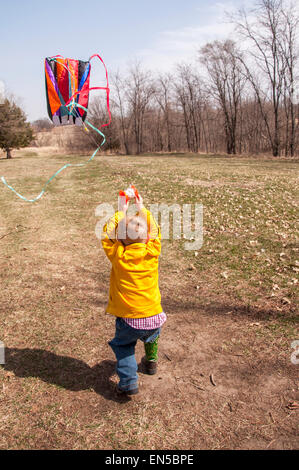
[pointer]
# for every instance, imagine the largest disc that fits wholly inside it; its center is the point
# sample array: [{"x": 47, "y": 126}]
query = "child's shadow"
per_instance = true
[{"x": 63, "y": 371}]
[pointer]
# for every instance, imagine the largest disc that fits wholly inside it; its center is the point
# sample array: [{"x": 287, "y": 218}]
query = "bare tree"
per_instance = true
[
  {"x": 270, "y": 37},
  {"x": 163, "y": 97},
  {"x": 140, "y": 91},
  {"x": 42, "y": 124},
  {"x": 188, "y": 94},
  {"x": 122, "y": 112},
  {"x": 289, "y": 51},
  {"x": 98, "y": 114},
  {"x": 226, "y": 83}
]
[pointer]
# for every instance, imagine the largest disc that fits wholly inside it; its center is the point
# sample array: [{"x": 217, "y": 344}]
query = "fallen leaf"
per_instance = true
[
  {"x": 212, "y": 380},
  {"x": 9, "y": 374},
  {"x": 293, "y": 405},
  {"x": 167, "y": 357}
]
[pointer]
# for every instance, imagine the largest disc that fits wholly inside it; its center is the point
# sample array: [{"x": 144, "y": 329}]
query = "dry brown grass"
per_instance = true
[{"x": 225, "y": 377}]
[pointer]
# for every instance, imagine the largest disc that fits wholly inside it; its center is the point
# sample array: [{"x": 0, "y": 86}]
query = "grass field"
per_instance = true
[{"x": 225, "y": 380}]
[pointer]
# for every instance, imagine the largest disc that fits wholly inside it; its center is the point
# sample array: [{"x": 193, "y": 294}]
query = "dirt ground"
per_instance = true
[{"x": 225, "y": 377}]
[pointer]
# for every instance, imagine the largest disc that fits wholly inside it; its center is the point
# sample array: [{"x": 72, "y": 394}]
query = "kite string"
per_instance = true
[
  {"x": 71, "y": 103},
  {"x": 71, "y": 99},
  {"x": 62, "y": 168}
]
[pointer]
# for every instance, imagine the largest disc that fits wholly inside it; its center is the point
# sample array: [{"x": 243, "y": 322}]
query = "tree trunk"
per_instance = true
[{"x": 8, "y": 153}]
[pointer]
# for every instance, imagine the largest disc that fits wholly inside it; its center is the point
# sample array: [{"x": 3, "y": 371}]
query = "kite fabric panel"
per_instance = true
[{"x": 64, "y": 79}]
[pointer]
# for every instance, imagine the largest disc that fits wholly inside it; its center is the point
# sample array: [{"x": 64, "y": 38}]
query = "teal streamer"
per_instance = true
[{"x": 67, "y": 165}]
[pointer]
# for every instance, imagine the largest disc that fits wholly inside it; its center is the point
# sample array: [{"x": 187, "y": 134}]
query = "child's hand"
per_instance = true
[
  {"x": 139, "y": 203},
  {"x": 123, "y": 204}
]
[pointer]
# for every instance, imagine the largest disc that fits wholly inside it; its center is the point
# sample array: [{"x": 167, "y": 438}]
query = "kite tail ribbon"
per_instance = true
[
  {"x": 67, "y": 165},
  {"x": 72, "y": 104}
]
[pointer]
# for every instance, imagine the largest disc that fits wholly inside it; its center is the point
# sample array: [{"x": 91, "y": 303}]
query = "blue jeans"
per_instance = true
[{"x": 123, "y": 346}]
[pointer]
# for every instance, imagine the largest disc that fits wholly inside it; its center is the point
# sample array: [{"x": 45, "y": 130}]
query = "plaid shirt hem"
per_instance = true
[{"x": 147, "y": 323}]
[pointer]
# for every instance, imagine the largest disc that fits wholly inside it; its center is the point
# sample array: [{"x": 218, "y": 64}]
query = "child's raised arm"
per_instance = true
[
  {"x": 109, "y": 241},
  {"x": 154, "y": 234},
  {"x": 109, "y": 237}
]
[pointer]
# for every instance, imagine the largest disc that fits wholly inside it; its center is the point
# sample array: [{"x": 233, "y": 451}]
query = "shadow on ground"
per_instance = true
[
  {"x": 215, "y": 308},
  {"x": 63, "y": 371}
]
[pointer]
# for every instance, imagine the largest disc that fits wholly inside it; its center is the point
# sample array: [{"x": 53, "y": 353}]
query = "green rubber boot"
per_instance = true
[{"x": 151, "y": 357}]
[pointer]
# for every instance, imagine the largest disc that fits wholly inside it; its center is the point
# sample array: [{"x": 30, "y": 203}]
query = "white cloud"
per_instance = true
[{"x": 174, "y": 46}]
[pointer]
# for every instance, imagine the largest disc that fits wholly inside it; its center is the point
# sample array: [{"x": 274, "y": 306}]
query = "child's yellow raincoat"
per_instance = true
[{"x": 134, "y": 289}]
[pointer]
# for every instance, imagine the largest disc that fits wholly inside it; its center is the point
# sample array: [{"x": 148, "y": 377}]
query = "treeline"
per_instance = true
[
  {"x": 239, "y": 96},
  {"x": 234, "y": 100}
]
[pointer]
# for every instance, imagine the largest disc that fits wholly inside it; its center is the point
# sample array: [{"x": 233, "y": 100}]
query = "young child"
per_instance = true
[{"x": 133, "y": 246}]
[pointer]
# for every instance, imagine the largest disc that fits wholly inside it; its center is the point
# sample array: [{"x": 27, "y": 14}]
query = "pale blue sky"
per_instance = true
[{"x": 159, "y": 33}]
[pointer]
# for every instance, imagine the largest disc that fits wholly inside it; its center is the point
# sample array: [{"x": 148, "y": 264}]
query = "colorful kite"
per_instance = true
[
  {"x": 67, "y": 92},
  {"x": 64, "y": 77}
]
